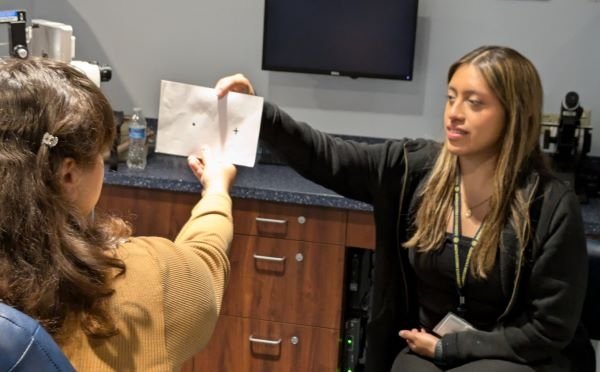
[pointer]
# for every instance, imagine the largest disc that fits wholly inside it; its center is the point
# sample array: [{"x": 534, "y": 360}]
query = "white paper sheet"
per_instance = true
[{"x": 191, "y": 116}]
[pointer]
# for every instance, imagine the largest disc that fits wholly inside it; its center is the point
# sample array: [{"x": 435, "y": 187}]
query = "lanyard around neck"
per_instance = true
[{"x": 461, "y": 275}]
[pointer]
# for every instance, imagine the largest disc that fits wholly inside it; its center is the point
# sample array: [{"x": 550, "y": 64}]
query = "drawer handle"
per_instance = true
[
  {"x": 268, "y": 258},
  {"x": 271, "y": 220},
  {"x": 263, "y": 341}
]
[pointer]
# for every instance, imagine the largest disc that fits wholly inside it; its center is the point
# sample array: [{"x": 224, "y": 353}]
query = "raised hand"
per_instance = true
[
  {"x": 234, "y": 83},
  {"x": 214, "y": 174}
]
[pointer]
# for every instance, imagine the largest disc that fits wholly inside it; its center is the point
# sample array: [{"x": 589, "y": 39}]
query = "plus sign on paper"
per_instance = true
[{"x": 191, "y": 116}]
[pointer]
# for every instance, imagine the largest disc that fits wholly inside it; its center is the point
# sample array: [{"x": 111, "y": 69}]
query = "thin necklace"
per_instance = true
[{"x": 469, "y": 211}]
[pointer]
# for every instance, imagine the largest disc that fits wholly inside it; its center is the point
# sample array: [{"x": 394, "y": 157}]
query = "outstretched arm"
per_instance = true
[{"x": 350, "y": 168}]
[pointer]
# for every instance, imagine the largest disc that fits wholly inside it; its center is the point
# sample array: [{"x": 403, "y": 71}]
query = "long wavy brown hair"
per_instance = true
[
  {"x": 516, "y": 83},
  {"x": 54, "y": 262}
]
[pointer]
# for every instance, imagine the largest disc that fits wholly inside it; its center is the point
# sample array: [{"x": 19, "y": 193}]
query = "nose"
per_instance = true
[{"x": 454, "y": 110}]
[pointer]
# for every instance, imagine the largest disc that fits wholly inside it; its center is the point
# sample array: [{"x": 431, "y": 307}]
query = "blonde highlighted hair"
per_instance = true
[{"x": 516, "y": 84}]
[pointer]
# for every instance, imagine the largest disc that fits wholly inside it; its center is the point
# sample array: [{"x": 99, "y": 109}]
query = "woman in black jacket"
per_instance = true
[{"x": 481, "y": 260}]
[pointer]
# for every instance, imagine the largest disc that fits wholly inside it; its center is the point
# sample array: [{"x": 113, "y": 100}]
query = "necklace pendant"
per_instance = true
[{"x": 468, "y": 213}]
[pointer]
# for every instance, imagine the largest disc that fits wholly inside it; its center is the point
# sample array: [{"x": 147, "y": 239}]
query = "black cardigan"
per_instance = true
[{"x": 546, "y": 286}]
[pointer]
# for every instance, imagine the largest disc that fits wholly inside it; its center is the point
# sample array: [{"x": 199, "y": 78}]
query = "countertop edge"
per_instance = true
[{"x": 273, "y": 183}]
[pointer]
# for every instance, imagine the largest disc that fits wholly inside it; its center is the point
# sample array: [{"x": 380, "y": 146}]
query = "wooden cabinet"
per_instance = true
[
  {"x": 290, "y": 222},
  {"x": 282, "y": 309},
  {"x": 285, "y": 280},
  {"x": 246, "y": 344},
  {"x": 150, "y": 212},
  {"x": 360, "y": 230}
]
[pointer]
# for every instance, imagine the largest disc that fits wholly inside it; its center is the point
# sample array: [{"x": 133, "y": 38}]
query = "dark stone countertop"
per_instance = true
[{"x": 277, "y": 183}]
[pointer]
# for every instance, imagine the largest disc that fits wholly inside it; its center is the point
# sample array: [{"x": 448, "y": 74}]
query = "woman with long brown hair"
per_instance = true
[
  {"x": 481, "y": 260},
  {"x": 112, "y": 301}
]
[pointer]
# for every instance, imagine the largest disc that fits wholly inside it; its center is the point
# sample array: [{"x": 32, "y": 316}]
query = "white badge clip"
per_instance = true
[{"x": 451, "y": 324}]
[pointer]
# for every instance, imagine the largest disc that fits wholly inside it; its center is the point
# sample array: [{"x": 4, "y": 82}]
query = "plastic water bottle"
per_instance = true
[{"x": 136, "y": 155}]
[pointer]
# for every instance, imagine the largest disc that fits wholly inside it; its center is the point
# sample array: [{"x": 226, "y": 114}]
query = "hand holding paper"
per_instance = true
[{"x": 191, "y": 116}]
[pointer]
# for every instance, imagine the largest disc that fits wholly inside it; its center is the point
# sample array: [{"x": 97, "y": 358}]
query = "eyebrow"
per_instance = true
[{"x": 467, "y": 92}]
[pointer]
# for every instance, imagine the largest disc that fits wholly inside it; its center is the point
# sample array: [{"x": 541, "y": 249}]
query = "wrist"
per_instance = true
[
  {"x": 438, "y": 354},
  {"x": 215, "y": 189}
]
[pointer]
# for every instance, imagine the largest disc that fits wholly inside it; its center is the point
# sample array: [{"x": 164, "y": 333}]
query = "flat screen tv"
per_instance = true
[{"x": 356, "y": 38}]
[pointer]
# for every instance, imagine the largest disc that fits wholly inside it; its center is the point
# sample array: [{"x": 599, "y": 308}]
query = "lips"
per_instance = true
[{"x": 453, "y": 133}]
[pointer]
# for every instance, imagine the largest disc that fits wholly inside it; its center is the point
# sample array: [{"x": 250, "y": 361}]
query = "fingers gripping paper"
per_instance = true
[{"x": 190, "y": 117}]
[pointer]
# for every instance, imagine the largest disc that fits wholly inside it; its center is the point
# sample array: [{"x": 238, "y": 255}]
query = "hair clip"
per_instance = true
[{"x": 49, "y": 140}]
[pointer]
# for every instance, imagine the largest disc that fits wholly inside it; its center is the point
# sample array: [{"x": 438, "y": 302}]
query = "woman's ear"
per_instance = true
[{"x": 69, "y": 177}]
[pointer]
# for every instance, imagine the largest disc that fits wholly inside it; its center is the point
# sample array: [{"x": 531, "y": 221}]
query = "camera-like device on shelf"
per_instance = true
[
  {"x": 48, "y": 39},
  {"x": 572, "y": 142}
]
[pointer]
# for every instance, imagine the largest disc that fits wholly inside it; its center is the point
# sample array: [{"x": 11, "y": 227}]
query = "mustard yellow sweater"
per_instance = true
[{"x": 166, "y": 305}]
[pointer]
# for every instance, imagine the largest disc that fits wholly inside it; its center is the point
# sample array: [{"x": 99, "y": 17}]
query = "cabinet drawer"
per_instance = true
[
  {"x": 275, "y": 347},
  {"x": 150, "y": 212},
  {"x": 360, "y": 230},
  {"x": 308, "y": 223},
  {"x": 285, "y": 280}
]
